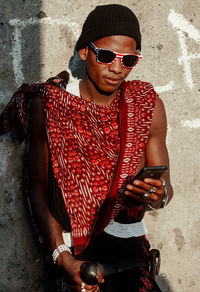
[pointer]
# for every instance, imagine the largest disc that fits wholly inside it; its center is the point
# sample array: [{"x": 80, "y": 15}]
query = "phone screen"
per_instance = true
[{"x": 151, "y": 172}]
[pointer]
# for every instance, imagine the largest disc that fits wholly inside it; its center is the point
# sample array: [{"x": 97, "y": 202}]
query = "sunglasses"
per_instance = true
[{"x": 104, "y": 56}]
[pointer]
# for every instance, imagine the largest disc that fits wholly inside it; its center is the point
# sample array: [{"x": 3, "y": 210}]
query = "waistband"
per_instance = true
[
  {"x": 115, "y": 229},
  {"x": 126, "y": 230}
]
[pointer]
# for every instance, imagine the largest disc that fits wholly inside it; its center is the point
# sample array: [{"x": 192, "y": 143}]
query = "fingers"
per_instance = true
[
  {"x": 78, "y": 281},
  {"x": 88, "y": 288},
  {"x": 85, "y": 288},
  {"x": 154, "y": 182},
  {"x": 152, "y": 188}
]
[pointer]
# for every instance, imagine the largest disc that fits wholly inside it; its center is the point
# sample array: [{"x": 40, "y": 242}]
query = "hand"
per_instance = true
[
  {"x": 139, "y": 188},
  {"x": 70, "y": 268}
]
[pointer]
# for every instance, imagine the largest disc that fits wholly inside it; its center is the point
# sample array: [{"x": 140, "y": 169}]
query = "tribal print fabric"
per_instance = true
[
  {"x": 94, "y": 149},
  {"x": 90, "y": 161}
]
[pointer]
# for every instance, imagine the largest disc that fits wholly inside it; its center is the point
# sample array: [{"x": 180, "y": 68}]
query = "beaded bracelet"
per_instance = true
[{"x": 58, "y": 250}]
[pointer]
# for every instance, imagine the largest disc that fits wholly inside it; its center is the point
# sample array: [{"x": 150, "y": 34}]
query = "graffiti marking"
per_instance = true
[
  {"x": 19, "y": 25},
  {"x": 192, "y": 124},
  {"x": 182, "y": 26},
  {"x": 167, "y": 87}
]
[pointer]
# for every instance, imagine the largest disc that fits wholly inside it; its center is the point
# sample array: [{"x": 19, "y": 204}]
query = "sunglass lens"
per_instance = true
[
  {"x": 130, "y": 61},
  {"x": 106, "y": 56}
]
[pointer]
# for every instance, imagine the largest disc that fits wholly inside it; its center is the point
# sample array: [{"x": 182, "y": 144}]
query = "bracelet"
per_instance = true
[
  {"x": 165, "y": 196},
  {"x": 162, "y": 205},
  {"x": 164, "y": 199},
  {"x": 150, "y": 208},
  {"x": 58, "y": 250}
]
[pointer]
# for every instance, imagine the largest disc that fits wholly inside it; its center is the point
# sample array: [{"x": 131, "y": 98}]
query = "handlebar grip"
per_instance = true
[{"x": 90, "y": 272}]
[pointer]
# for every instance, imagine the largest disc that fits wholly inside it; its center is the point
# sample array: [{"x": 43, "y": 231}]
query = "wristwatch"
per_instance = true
[{"x": 165, "y": 196}]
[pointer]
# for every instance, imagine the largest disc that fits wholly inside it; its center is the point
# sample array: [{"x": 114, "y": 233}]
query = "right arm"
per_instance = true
[
  {"x": 38, "y": 177},
  {"x": 49, "y": 228}
]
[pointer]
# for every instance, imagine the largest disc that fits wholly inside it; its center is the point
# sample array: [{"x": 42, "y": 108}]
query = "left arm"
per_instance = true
[{"x": 155, "y": 154}]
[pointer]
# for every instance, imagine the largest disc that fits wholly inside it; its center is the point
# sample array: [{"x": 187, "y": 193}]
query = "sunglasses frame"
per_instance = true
[{"x": 117, "y": 55}]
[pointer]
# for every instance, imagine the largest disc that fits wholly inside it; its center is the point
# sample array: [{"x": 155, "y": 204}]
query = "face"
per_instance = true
[{"x": 110, "y": 76}]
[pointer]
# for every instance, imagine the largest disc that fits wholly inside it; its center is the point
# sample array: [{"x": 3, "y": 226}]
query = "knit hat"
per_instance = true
[{"x": 107, "y": 20}]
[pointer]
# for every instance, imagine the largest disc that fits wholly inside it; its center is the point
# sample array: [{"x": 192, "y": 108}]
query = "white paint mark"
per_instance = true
[
  {"x": 180, "y": 23},
  {"x": 182, "y": 26},
  {"x": 192, "y": 124},
  {"x": 19, "y": 25},
  {"x": 17, "y": 56},
  {"x": 164, "y": 88},
  {"x": 185, "y": 60},
  {"x": 56, "y": 21}
]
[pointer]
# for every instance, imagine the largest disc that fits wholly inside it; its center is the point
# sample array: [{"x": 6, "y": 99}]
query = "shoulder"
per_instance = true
[
  {"x": 143, "y": 91},
  {"x": 142, "y": 86},
  {"x": 36, "y": 124},
  {"x": 159, "y": 120},
  {"x": 159, "y": 112}
]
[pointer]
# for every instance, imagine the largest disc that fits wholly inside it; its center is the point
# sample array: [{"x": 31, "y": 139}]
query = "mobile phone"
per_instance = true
[{"x": 151, "y": 172}]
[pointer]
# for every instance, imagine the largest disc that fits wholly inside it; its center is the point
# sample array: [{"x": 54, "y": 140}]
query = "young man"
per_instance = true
[{"x": 85, "y": 146}]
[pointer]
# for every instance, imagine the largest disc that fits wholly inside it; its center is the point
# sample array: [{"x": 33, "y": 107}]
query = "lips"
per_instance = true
[{"x": 112, "y": 81}]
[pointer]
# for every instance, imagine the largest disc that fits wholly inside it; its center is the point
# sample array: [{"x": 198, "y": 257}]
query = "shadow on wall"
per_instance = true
[
  {"x": 20, "y": 43},
  {"x": 20, "y": 60}
]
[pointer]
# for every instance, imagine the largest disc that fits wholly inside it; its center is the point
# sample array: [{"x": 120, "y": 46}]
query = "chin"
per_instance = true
[
  {"x": 106, "y": 90},
  {"x": 103, "y": 86},
  {"x": 110, "y": 87}
]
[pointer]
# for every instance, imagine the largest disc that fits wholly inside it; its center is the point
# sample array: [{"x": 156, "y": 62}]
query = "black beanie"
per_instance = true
[{"x": 107, "y": 20}]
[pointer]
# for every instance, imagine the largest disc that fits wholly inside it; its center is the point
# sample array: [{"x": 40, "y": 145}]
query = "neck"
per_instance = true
[{"x": 90, "y": 91}]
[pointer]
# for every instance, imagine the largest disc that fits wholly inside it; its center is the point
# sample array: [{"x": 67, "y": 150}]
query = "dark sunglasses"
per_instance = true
[{"x": 104, "y": 56}]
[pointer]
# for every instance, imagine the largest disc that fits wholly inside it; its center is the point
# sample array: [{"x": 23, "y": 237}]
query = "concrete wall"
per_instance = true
[{"x": 37, "y": 40}]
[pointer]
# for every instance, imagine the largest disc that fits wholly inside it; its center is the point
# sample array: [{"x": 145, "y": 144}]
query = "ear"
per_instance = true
[{"x": 83, "y": 53}]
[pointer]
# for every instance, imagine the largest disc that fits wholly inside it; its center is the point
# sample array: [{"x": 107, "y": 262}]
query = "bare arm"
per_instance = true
[
  {"x": 38, "y": 177},
  {"x": 155, "y": 154},
  {"x": 156, "y": 149},
  {"x": 38, "y": 181}
]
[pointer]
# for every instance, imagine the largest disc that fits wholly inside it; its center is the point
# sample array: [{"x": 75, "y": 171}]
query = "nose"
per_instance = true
[{"x": 116, "y": 66}]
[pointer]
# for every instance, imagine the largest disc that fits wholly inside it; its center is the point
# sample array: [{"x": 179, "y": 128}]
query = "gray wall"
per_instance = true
[{"x": 37, "y": 40}]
